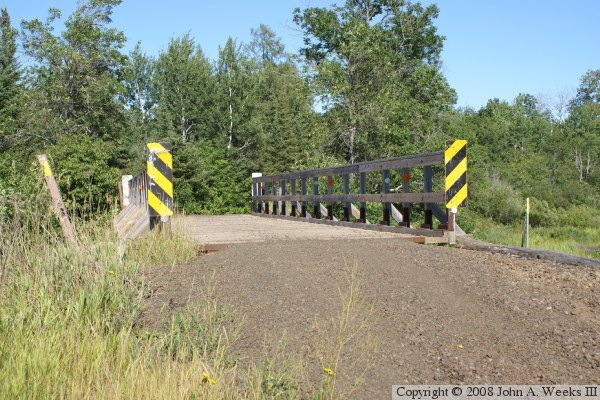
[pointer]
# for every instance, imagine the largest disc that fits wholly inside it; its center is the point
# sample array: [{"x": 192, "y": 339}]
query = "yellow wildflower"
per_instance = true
[
  {"x": 111, "y": 272},
  {"x": 206, "y": 379},
  {"x": 328, "y": 371}
]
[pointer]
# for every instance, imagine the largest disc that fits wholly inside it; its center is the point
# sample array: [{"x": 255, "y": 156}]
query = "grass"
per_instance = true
[
  {"x": 69, "y": 324},
  {"x": 578, "y": 241}
]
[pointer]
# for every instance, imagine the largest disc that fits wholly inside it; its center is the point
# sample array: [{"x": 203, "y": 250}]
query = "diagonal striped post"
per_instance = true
[
  {"x": 455, "y": 159},
  {"x": 160, "y": 182}
]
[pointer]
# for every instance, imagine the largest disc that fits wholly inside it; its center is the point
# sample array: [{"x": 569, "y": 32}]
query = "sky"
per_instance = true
[{"x": 493, "y": 48}]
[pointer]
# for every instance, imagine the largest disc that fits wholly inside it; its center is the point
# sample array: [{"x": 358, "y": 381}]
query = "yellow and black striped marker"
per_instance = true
[
  {"x": 455, "y": 158},
  {"x": 160, "y": 180}
]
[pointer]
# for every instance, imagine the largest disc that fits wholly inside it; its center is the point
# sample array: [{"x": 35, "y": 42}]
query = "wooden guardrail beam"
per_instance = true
[
  {"x": 432, "y": 197},
  {"x": 419, "y": 160}
]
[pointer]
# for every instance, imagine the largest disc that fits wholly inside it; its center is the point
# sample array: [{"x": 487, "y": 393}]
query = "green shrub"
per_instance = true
[
  {"x": 580, "y": 216},
  {"x": 499, "y": 201},
  {"x": 542, "y": 213},
  {"x": 85, "y": 171},
  {"x": 467, "y": 219}
]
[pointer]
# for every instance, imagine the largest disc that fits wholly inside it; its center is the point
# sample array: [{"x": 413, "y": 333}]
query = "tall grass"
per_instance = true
[
  {"x": 583, "y": 241},
  {"x": 70, "y": 326},
  {"x": 67, "y": 313}
]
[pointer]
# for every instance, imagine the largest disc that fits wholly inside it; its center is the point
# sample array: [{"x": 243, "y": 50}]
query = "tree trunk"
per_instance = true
[{"x": 229, "y": 144}]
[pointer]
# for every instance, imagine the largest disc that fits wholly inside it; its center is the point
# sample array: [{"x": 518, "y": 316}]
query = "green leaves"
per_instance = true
[
  {"x": 77, "y": 72},
  {"x": 82, "y": 168},
  {"x": 184, "y": 89},
  {"x": 9, "y": 76},
  {"x": 377, "y": 69}
]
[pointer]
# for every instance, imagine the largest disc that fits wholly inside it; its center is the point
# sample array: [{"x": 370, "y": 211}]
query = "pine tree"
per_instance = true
[{"x": 9, "y": 78}]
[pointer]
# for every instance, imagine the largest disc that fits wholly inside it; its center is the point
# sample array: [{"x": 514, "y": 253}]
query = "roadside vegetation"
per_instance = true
[
  {"x": 360, "y": 89},
  {"x": 70, "y": 323}
]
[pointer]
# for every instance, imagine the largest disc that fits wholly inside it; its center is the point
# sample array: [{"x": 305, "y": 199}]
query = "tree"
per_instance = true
[
  {"x": 265, "y": 46},
  {"x": 140, "y": 104},
  {"x": 75, "y": 76},
  {"x": 184, "y": 89},
  {"x": 376, "y": 66},
  {"x": 588, "y": 90},
  {"x": 9, "y": 78},
  {"x": 236, "y": 79},
  {"x": 583, "y": 127},
  {"x": 139, "y": 96}
]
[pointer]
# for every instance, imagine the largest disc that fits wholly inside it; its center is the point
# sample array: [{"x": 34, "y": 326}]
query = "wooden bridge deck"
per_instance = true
[{"x": 221, "y": 230}]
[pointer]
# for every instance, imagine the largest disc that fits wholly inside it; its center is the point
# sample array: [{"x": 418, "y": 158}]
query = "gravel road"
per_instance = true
[{"x": 440, "y": 315}]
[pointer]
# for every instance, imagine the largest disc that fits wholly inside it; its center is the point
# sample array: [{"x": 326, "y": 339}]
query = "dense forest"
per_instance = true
[{"x": 367, "y": 84}]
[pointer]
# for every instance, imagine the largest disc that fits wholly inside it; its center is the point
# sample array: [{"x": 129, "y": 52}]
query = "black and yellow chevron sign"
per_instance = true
[
  {"x": 455, "y": 158},
  {"x": 160, "y": 180}
]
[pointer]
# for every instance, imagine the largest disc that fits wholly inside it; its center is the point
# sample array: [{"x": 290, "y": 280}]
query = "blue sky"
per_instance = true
[{"x": 493, "y": 49}]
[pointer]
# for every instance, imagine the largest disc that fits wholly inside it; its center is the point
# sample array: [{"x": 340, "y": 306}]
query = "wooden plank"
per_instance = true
[
  {"x": 420, "y": 160},
  {"x": 396, "y": 214},
  {"x": 346, "y": 190},
  {"x": 356, "y": 213},
  {"x": 329, "y": 207},
  {"x": 57, "y": 205},
  {"x": 406, "y": 190},
  {"x": 303, "y": 189},
  {"x": 325, "y": 212},
  {"x": 386, "y": 190},
  {"x": 428, "y": 187},
  {"x": 294, "y": 203},
  {"x": 372, "y": 227},
  {"x": 335, "y": 171},
  {"x": 282, "y": 204},
  {"x": 363, "y": 190},
  {"x": 433, "y": 197},
  {"x": 316, "y": 205}
]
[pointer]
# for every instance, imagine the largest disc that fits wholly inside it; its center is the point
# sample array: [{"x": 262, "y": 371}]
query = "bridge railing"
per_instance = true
[
  {"x": 303, "y": 190},
  {"x": 137, "y": 190},
  {"x": 147, "y": 198}
]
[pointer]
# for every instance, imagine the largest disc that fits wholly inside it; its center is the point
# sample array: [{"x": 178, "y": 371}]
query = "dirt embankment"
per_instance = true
[{"x": 440, "y": 315}]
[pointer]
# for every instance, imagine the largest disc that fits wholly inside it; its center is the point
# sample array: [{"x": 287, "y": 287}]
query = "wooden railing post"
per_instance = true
[
  {"x": 330, "y": 203},
  {"x": 274, "y": 193},
  {"x": 266, "y": 189},
  {"x": 316, "y": 205},
  {"x": 451, "y": 225},
  {"x": 283, "y": 203},
  {"x": 260, "y": 192},
  {"x": 428, "y": 188},
  {"x": 304, "y": 202},
  {"x": 406, "y": 189},
  {"x": 363, "y": 190},
  {"x": 386, "y": 189},
  {"x": 346, "y": 190},
  {"x": 294, "y": 203},
  {"x": 256, "y": 191}
]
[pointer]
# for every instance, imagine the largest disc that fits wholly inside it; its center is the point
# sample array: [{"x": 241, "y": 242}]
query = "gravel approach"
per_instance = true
[{"x": 440, "y": 315}]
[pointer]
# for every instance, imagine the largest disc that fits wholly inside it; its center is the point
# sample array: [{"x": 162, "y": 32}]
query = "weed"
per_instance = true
[{"x": 344, "y": 344}]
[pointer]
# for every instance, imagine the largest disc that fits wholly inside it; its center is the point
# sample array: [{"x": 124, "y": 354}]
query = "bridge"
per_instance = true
[
  {"x": 147, "y": 200},
  {"x": 430, "y": 314}
]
